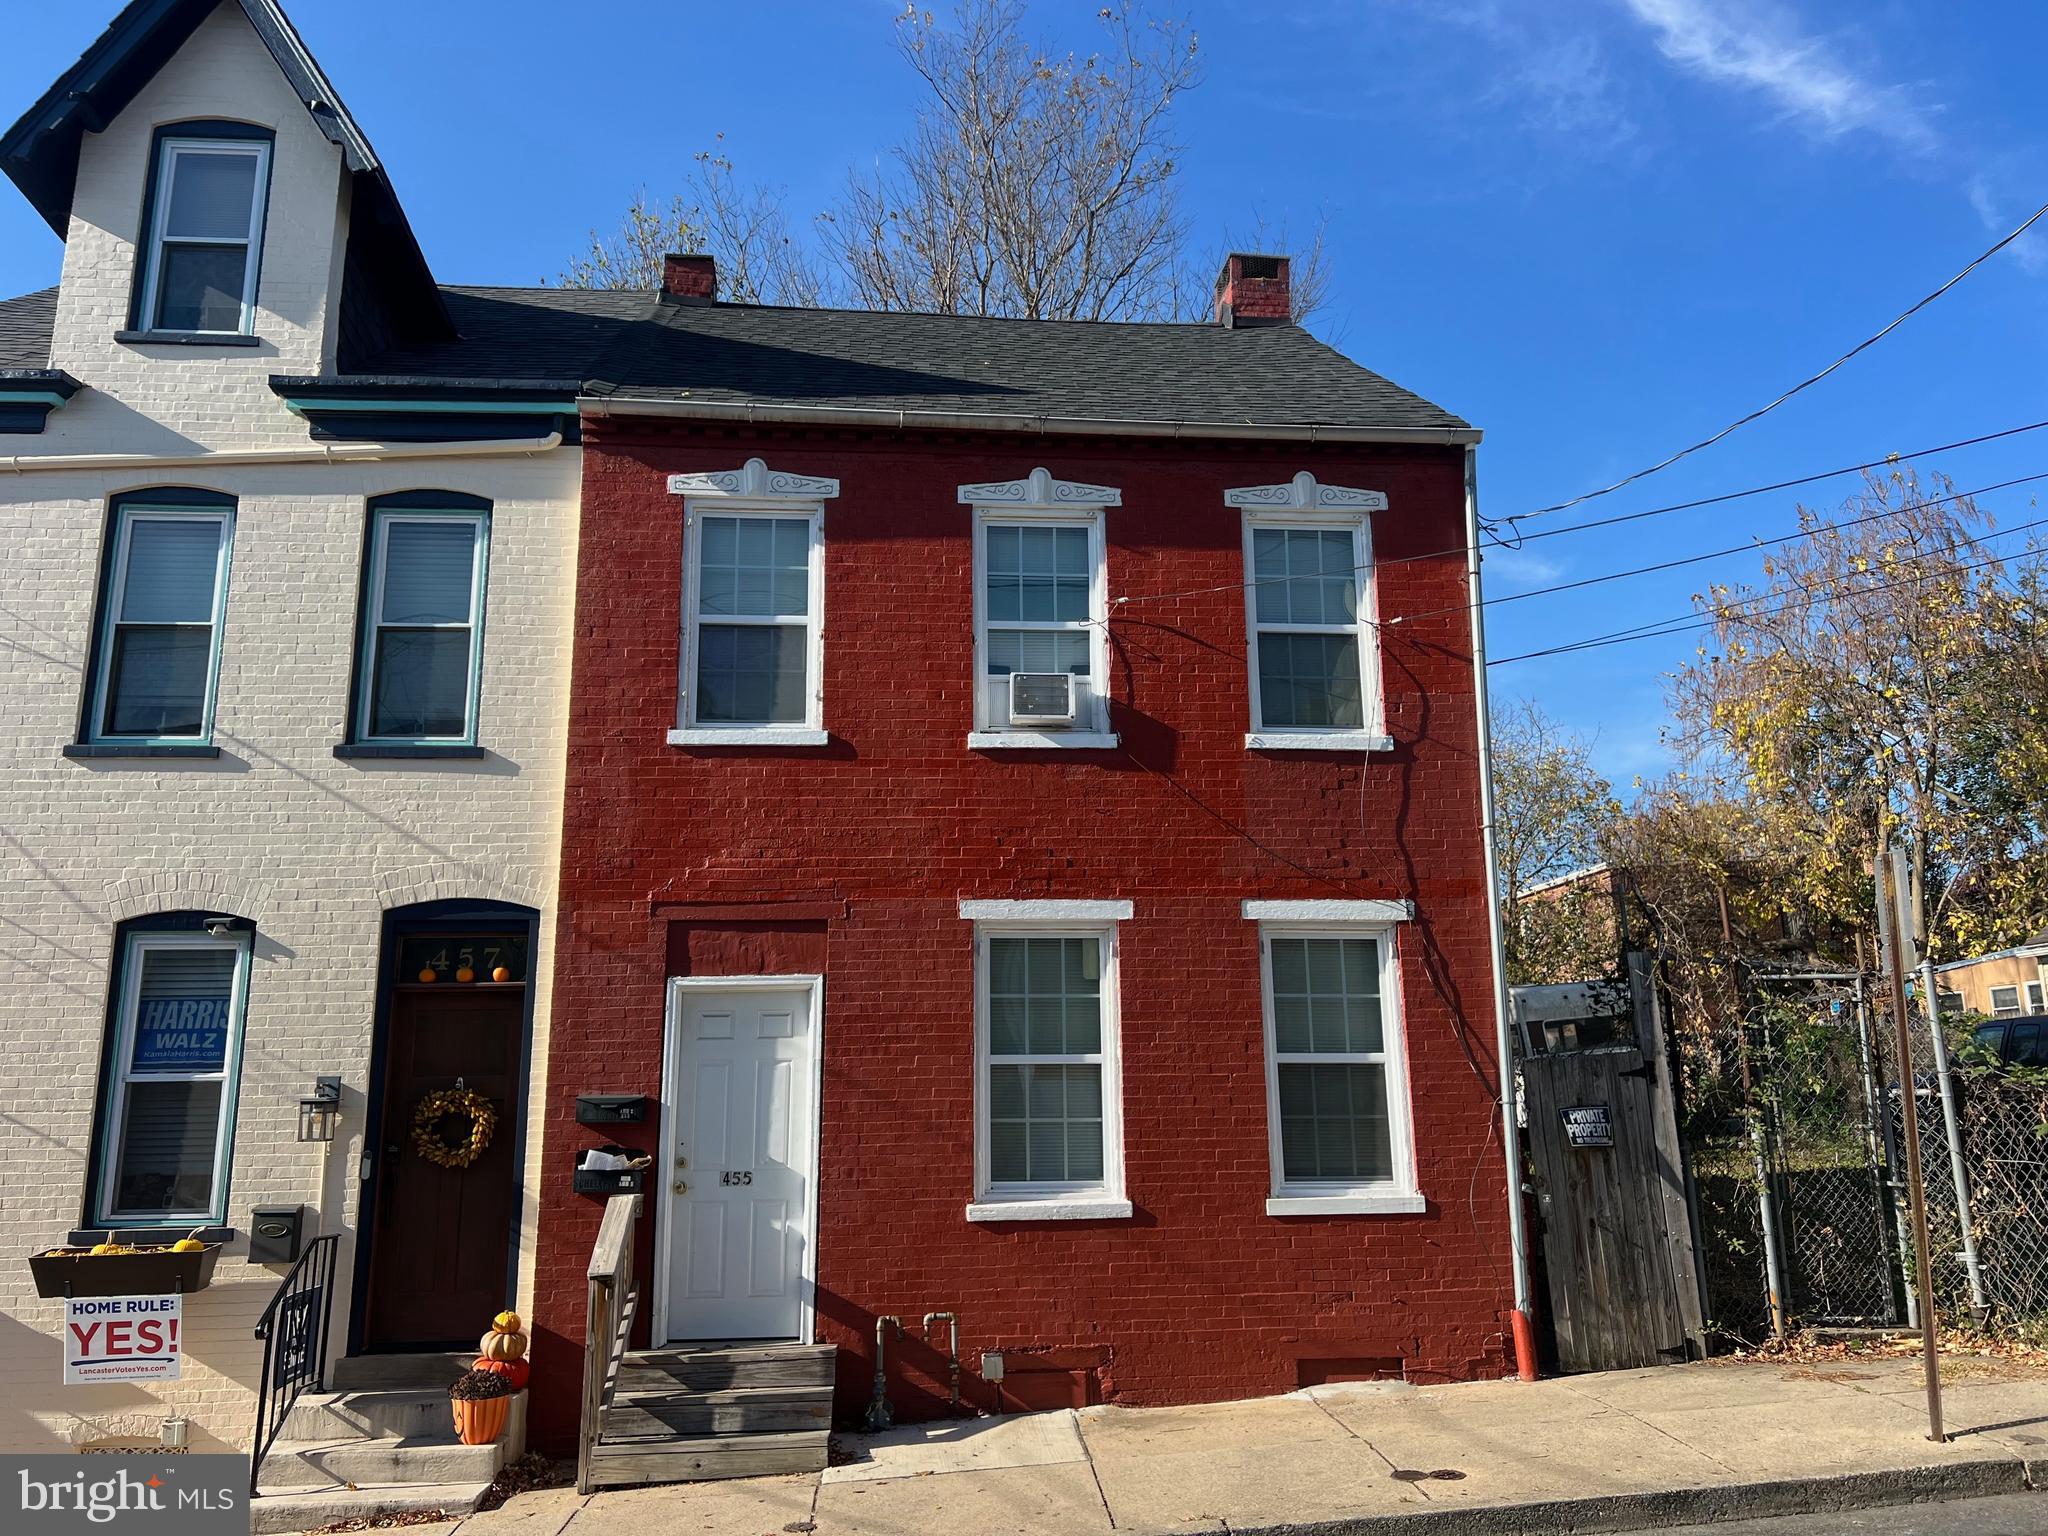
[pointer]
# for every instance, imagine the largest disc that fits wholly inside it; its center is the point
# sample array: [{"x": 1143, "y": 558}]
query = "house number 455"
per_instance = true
[{"x": 744, "y": 1176}]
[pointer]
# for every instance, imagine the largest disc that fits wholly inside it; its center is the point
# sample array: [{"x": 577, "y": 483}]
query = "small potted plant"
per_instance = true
[{"x": 482, "y": 1402}]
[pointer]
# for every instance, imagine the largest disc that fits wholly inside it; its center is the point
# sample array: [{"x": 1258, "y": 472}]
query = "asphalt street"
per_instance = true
[{"x": 2015, "y": 1514}]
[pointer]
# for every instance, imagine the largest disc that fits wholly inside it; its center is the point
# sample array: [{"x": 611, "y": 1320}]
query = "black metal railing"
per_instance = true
[{"x": 293, "y": 1329}]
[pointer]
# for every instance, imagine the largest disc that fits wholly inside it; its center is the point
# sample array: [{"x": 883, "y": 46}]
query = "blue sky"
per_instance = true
[{"x": 1600, "y": 229}]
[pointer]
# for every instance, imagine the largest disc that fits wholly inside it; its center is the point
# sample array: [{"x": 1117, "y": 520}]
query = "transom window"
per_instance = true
[
  {"x": 421, "y": 657},
  {"x": 1048, "y": 1141},
  {"x": 1041, "y": 607},
  {"x": 755, "y": 590},
  {"x": 1336, "y": 1083},
  {"x": 206, "y": 235},
  {"x": 159, "y": 643},
  {"x": 1307, "y": 590},
  {"x": 176, "y": 1056}
]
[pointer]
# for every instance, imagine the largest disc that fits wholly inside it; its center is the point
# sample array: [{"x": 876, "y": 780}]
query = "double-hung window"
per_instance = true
[
  {"x": 174, "y": 1062},
  {"x": 2005, "y": 1001},
  {"x": 1336, "y": 1081},
  {"x": 158, "y": 649},
  {"x": 1314, "y": 660},
  {"x": 753, "y": 650},
  {"x": 1048, "y": 1124},
  {"x": 204, "y": 244},
  {"x": 421, "y": 650},
  {"x": 1040, "y": 605}
]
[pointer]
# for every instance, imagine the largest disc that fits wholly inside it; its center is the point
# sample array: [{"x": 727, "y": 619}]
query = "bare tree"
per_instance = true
[
  {"x": 630, "y": 257},
  {"x": 1034, "y": 183},
  {"x": 742, "y": 226}
]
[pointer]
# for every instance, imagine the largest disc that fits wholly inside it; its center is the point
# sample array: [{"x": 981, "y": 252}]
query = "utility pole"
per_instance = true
[{"x": 1890, "y": 899}]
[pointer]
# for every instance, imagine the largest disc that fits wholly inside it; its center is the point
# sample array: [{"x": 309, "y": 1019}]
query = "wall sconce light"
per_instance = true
[{"x": 320, "y": 1109}]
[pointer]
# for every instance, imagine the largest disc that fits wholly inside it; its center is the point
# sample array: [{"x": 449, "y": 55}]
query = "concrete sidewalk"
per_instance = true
[{"x": 1611, "y": 1452}]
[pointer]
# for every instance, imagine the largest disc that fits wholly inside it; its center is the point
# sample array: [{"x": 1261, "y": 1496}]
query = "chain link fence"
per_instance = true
[{"x": 1795, "y": 1126}]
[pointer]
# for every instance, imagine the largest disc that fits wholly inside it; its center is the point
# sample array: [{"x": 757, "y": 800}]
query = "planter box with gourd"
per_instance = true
[{"x": 125, "y": 1269}]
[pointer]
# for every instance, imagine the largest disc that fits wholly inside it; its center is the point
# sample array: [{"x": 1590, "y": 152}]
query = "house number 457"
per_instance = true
[{"x": 743, "y": 1176}]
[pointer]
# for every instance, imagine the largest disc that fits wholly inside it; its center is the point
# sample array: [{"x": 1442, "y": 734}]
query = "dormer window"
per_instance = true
[{"x": 205, "y": 235}]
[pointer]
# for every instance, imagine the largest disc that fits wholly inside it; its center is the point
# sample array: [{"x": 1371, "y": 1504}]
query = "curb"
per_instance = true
[{"x": 1690, "y": 1506}]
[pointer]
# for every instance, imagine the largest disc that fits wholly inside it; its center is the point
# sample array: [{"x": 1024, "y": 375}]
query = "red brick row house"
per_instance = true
[
  {"x": 1023, "y": 863},
  {"x": 989, "y": 810}
]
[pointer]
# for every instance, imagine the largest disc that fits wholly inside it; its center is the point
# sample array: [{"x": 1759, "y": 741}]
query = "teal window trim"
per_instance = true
[
  {"x": 47, "y": 397},
  {"x": 299, "y": 405},
  {"x": 417, "y": 508},
  {"x": 127, "y": 511},
  {"x": 134, "y": 945}
]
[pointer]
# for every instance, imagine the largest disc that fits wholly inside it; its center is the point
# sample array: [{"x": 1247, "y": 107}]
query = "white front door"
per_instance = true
[{"x": 743, "y": 1117}]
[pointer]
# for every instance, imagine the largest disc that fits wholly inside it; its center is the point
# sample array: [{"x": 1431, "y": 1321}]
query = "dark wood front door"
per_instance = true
[{"x": 441, "y": 1238}]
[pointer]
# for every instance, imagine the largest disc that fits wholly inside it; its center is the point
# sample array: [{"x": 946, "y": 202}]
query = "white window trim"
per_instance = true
[
  {"x": 160, "y": 213},
  {"x": 1040, "y": 499},
  {"x": 119, "y": 1072},
  {"x": 374, "y": 625},
  {"x": 753, "y": 490},
  {"x": 1999, "y": 1009},
  {"x": 1065, "y": 1202},
  {"x": 1303, "y": 502},
  {"x": 1400, "y": 1195},
  {"x": 110, "y": 621},
  {"x": 2034, "y": 996}
]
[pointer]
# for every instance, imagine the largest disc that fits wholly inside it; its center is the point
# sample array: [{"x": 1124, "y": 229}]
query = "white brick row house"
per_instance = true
[{"x": 290, "y": 537}]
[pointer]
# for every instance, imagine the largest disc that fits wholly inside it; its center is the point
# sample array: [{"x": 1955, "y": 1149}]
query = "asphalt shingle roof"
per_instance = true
[
  {"x": 25, "y": 327},
  {"x": 627, "y": 344}
]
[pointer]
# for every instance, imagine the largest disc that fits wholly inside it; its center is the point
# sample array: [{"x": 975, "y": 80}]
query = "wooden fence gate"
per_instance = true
[{"x": 1610, "y": 1184}]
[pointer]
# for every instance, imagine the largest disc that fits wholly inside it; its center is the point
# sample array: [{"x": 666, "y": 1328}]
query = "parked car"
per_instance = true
[{"x": 2019, "y": 1041}]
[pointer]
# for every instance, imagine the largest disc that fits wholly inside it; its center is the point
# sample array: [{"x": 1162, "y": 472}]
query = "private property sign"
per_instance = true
[{"x": 122, "y": 1338}]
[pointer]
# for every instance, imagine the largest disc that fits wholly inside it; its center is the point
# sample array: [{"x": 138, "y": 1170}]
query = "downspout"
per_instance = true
[
  {"x": 1523, "y": 1320},
  {"x": 323, "y": 453}
]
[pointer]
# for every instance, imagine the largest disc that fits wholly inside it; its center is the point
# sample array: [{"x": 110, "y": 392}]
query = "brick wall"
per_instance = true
[{"x": 1201, "y": 1294}]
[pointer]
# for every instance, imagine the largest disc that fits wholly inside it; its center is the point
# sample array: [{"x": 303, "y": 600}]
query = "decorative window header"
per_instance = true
[
  {"x": 1039, "y": 489},
  {"x": 1396, "y": 911},
  {"x": 754, "y": 481},
  {"x": 1305, "y": 493},
  {"x": 1043, "y": 910}
]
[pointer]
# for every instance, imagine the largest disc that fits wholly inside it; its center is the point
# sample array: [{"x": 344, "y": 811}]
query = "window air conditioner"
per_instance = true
[{"x": 1042, "y": 698}]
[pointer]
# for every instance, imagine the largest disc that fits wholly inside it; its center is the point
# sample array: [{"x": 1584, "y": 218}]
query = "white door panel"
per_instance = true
[{"x": 739, "y": 1201}]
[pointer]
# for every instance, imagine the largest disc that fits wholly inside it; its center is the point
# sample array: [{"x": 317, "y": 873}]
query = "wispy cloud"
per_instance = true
[
  {"x": 2000, "y": 212},
  {"x": 1522, "y": 567},
  {"x": 1804, "y": 77}
]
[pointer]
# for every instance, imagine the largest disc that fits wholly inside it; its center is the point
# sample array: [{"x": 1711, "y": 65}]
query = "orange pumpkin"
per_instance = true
[
  {"x": 514, "y": 1371},
  {"x": 502, "y": 973},
  {"x": 426, "y": 973},
  {"x": 465, "y": 974}
]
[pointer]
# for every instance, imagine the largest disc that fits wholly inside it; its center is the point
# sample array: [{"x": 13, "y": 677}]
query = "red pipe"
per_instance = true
[{"x": 1525, "y": 1344}]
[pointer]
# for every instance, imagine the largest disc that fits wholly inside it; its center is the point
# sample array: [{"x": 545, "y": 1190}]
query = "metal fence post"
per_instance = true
[{"x": 1931, "y": 1002}]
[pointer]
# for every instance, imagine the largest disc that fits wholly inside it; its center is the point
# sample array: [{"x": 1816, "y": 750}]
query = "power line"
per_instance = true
[
  {"x": 1626, "y": 517},
  {"x": 1749, "y": 546},
  {"x": 1804, "y": 384},
  {"x": 1658, "y": 628},
  {"x": 1733, "y": 549}
]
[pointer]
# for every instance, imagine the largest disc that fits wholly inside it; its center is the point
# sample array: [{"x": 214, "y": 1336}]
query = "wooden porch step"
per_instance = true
[
  {"x": 707, "y": 1458},
  {"x": 751, "y": 1410},
  {"x": 685, "y": 1415},
  {"x": 725, "y": 1369}
]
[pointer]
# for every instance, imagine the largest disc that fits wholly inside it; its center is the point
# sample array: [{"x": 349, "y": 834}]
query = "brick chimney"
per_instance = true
[
  {"x": 692, "y": 279},
  {"x": 1252, "y": 290}
]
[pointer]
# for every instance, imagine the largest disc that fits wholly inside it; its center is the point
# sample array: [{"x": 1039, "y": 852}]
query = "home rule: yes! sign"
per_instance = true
[{"x": 122, "y": 1338}]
